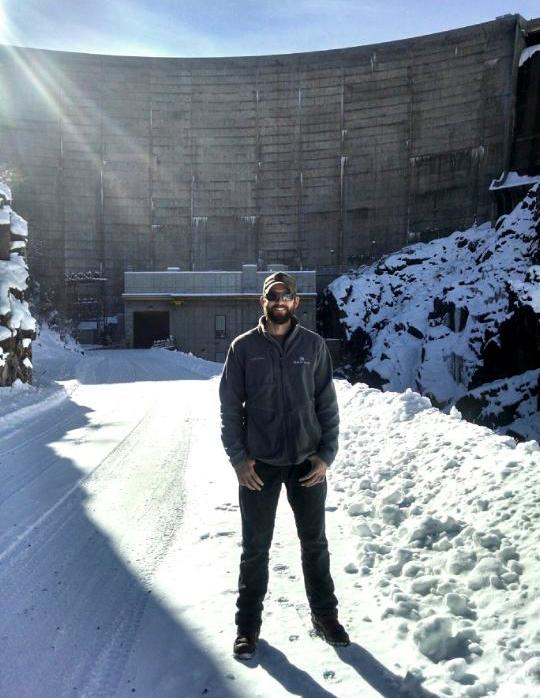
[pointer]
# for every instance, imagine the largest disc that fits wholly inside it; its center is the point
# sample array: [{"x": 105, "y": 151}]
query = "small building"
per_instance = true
[{"x": 203, "y": 311}]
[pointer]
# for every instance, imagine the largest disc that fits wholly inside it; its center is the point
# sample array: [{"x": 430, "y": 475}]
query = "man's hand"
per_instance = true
[
  {"x": 247, "y": 475},
  {"x": 317, "y": 474}
]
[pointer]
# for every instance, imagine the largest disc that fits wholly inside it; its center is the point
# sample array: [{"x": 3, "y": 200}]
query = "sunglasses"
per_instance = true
[{"x": 275, "y": 296}]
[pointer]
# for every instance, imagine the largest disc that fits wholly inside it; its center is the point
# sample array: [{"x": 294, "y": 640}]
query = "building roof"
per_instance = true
[{"x": 247, "y": 283}]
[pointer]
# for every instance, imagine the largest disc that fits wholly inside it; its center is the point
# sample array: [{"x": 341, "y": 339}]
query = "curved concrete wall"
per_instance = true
[{"x": 320, "y": 160}]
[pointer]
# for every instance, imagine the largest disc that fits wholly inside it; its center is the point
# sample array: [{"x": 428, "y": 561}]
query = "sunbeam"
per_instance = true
[
  {"x": 96, "y": 124},
  {"x": 4, "y": 24}
]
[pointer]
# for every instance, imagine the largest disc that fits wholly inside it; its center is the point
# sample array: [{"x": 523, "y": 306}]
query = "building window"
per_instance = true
[
  {"x": 220, "y": 357},
  {"x": 220, "y": 326}
]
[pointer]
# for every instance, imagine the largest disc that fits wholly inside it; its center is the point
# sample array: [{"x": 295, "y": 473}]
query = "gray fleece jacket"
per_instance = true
[{"x": 278, "y": 403}]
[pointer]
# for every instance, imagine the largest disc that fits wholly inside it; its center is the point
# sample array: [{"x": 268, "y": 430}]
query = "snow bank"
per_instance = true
[
  {"x": 54, "y": 363},
  {"x": 443, "y": 318},
  {"x": 200, "y": 367}
]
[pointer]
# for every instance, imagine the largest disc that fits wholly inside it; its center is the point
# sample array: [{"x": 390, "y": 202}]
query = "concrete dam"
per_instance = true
[{"x": 322, "y": 160}]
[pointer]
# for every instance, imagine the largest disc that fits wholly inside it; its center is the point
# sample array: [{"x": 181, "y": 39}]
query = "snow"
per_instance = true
[
  {"x": 458, "y": 550},
  {"x": 18, "y": 225},
  {"x": 531, "y": 287},
  {"x": 528, "y": 53},
  {"x": 54, "y": 360},
  {"x": 429, "y": 311},
  {"x": 15, "y": 313},
  {"x": 513, "y": 179},
  {"x": 20, "y": 317},
  {"x": 120, "y": 534},
  {"x": 5, "y": 192},
  {"x": 13, "y": 274},
  {"x": 196, "y": 365}
]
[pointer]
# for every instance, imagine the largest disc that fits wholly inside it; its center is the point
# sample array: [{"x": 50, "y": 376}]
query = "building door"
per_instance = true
[{"x": 149, "y": 326}]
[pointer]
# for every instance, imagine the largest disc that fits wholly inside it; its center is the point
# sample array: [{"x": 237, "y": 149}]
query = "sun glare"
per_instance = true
[{"x": 3, "y": 21}]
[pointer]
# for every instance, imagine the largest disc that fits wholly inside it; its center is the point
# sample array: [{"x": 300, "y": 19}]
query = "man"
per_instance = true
[{"x": 279, "y": 425}]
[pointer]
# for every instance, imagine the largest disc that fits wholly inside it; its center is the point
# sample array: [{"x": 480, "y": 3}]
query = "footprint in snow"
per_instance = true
[{"x": 280, "y": 567}]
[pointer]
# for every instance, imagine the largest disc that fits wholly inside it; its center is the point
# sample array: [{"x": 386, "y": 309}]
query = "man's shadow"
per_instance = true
[
  {"x": 379, "y": 677},
  {"x": 298, "y": 682},
  {"x": 294, "y": 680}
]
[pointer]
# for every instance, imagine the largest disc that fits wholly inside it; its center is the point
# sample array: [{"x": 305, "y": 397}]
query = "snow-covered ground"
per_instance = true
[{"x": 119, "y": 544}]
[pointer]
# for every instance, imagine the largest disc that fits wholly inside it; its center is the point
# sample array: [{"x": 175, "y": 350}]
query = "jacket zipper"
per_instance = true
[
  {"x": 285, "y": 423},
  {"x": 286, "y": 439}
]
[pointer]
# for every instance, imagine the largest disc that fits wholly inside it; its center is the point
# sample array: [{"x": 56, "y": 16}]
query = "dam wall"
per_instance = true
[{"x": 321, "y": 160}]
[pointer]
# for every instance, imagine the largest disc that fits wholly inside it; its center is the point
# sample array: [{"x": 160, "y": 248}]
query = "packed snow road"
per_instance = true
[{"x": 91, "y": 498}]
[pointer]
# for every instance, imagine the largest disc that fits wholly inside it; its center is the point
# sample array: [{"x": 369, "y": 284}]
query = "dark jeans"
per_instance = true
[{"x": 258, "y": 510}]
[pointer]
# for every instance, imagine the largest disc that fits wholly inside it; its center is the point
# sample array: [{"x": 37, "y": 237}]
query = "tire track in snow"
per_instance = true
[
  {"x": 24, "y": 535},
  {"x": 54, "y": 401},
  {"x": 107, "y": 672},
  {"x": 99, "y": 673}
]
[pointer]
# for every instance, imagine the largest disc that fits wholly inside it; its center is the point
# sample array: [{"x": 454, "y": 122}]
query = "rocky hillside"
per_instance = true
[{"x": 456, "y": 319}]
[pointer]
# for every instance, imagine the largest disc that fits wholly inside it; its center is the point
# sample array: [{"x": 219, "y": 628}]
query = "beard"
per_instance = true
[{"x": 278, "y": 318}]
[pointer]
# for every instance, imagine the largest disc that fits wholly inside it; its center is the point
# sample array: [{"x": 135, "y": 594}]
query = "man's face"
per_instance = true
[{"x": 275, "y": 307}]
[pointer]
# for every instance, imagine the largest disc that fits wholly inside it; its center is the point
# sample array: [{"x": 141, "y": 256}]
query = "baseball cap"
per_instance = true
[{"x": 279, "y": 277}]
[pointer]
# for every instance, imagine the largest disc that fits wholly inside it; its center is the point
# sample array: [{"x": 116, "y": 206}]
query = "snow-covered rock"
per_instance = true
[
  {"x": 456, "y": 319},
  {"x": 17, "y": 325}
]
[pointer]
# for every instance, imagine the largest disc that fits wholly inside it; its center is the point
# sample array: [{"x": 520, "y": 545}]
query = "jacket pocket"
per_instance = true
[
  {"x": 305, "y": 426},
  {"x": 265, "y": 437}
]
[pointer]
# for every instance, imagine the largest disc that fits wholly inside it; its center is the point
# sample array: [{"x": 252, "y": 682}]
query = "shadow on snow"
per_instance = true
[{"x": 70, "y": 606}]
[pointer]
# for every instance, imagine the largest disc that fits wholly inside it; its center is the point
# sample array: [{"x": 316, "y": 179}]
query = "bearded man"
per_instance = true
[{"x": 279, "y": 425}]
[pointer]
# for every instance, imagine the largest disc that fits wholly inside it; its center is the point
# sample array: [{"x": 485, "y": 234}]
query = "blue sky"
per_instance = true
[{"x": 235, "y": 27}]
